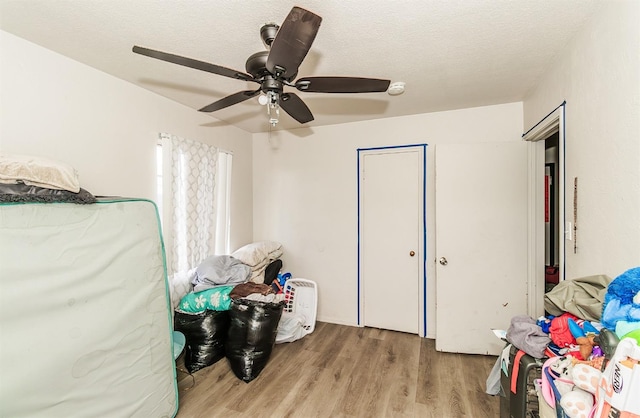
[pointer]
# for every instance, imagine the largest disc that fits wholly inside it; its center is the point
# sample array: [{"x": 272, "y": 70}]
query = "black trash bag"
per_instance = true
[
  {"x": 205, "y": 334},
  {"x": 252, "y": 335}
]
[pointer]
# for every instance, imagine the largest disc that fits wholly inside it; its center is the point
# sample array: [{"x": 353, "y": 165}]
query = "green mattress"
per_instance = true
[{"x": 85, "y": 318}]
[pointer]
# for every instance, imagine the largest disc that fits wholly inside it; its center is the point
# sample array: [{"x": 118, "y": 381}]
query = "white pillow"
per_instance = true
[
  {"x": 37, "y": 171},
  {"x": 257, "y": 252}
]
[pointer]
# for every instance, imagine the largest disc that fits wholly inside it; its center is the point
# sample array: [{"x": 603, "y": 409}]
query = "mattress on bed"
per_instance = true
[{"x": 85, "y": 326}]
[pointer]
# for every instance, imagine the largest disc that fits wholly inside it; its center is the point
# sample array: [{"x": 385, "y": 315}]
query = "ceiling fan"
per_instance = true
[{"x": 276, "y": 68}]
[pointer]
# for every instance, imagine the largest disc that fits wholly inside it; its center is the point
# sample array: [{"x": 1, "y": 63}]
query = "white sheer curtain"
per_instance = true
[
  {"x": 196, "y": 202},
  {"x": 190, "y": 216}
]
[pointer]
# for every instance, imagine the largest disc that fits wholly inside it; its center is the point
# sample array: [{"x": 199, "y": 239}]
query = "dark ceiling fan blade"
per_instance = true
[
  {"x": 295, "y": 107},
  {"x": 236, "y": 98},
  {"x": 191, "y": 63},
  {"x": 342, "y": 85},
  {"x": 292, "y": 42}
]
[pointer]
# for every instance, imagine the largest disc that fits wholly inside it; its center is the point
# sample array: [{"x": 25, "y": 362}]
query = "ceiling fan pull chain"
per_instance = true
[{"x": 273, "y": 108}]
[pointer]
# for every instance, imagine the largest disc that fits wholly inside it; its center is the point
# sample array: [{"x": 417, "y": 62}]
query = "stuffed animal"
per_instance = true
[
  {"x": 585, "y": 335},
  {"x": 621, "y": 307},
  {"x": 580, "y": 402},
  {"x": 597, "y": 393},
  {"x": 568, "y": 331}
]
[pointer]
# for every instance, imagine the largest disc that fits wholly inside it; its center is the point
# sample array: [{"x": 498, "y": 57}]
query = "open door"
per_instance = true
[
  {"x": 482, "y": 242},
  {"x": 545, "y": 135}
]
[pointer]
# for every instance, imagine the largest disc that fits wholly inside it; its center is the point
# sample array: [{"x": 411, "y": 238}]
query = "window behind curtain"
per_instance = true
[
  {"x": 194, "y": 191},
  {"x": 223, "y": 197},
  {"x": 159, "y": 193}
]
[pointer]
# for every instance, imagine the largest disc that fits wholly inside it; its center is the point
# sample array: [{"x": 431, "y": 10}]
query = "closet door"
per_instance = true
[{"x": 391, "y": 217}]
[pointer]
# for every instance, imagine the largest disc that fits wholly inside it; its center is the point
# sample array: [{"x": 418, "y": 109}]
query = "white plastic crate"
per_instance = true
[{"x": 301, "y": 297}]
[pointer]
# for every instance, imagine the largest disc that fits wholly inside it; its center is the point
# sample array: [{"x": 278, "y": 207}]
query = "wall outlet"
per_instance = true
[{"x": 568, "y": 231}]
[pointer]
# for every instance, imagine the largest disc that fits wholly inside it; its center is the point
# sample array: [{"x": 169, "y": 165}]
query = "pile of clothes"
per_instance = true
[
  {"x": 587, "y": 317},
  {"x": 578, "y": 309},
  {"x": 257, "y": 262}
]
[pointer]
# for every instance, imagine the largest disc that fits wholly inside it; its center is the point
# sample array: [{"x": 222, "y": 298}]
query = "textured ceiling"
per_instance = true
[{"x": 451, "y": 54}]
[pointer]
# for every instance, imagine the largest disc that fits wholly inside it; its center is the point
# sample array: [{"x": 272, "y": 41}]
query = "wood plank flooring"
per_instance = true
[{"x": 342, "y": 371}]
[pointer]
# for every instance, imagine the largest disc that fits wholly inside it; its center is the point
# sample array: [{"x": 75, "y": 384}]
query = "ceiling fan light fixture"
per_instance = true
[
  {"x": 263, "y": 100},
  {"x": 273, "y": 107},
  {"x": 396, "y": 88}
]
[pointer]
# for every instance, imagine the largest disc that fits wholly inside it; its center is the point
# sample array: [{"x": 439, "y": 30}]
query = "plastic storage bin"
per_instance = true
[{"x": 301, "y": 297}]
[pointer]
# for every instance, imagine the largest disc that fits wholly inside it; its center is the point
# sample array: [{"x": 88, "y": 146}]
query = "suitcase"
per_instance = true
[{"x": 518, "y": 393}]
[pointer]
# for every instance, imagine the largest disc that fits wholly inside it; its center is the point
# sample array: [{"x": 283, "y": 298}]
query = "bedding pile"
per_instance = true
[
  {"x": 260, "y": 261},
  {"x": 238, "y": 322},
  {"x": 227, "y": 313}
]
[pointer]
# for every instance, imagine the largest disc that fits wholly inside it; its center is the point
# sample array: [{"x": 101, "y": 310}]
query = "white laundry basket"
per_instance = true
[{"x": 301, "y": 297}]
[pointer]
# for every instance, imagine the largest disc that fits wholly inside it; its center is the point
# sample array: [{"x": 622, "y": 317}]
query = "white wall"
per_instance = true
[
  {"x": 599, "y": 77},
  {"x": 106, "y": 128},
  {"x": 305, "y": 192},
  {"x": 304, "y": 180}
]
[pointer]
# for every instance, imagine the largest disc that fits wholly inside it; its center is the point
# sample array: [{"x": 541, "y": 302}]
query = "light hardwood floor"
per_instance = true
[{"x": 342, "y": 371}]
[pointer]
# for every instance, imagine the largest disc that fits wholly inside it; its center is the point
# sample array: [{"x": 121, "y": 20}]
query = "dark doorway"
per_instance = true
[{"x": 551, "y": 211}]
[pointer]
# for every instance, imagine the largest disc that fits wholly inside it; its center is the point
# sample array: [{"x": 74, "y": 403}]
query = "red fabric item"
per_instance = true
[
  {"x": 552, "y": 274},
  {"x": 515, "y": 370},
  {"x": 559, "y": 330}
]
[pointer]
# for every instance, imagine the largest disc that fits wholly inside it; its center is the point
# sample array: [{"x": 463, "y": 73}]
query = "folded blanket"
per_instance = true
[
  {"x": 258, "y": 255},
  {"x": 219, "y": 270},
  {"x": 21, "y": 192},
  {"x": 246, "y": 289}
]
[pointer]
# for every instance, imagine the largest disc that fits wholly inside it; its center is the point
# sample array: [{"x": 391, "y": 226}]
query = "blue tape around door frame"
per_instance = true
[{"x": 424, "y": 225}]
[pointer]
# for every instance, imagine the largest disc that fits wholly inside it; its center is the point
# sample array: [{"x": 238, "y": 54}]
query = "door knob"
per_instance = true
[
  {"x": 412, "y": 253},
  {"x": 443, "y": 261}
]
